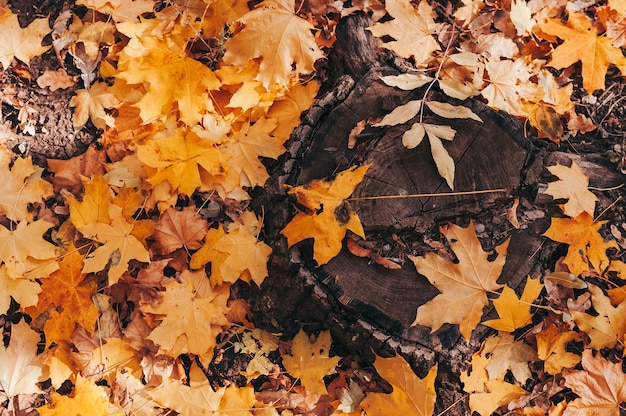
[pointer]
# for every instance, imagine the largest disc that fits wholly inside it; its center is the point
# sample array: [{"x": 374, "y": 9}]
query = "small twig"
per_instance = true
[{"x": 484, "y": 191}]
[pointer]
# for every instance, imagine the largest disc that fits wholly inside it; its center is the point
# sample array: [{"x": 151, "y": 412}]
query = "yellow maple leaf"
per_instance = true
[
  {"x": 587, "y": 248},
  {"x": 288, "y": 108},
  {"x": 515, "y": 312},
  {"x": 410, "y": 396},
  {"x": 21, "y": 367},
  {"x": 209, "y": 253},
  {"x": 23, "y": 291},
  {"x": 190, "y": 323},
  {"x": 63, "y": 290},
  {"x": 608, "y": 327},
  {"x": 218, "y": 13},
  {"x": 463, "y": 285},
  {"x": 110, "y": 358},
  {"x": 90, "y": 104},
  {"x": 245, "y": 148},
  {"x": 21, "y": 186},
  {"x": 310, "y": 362},
  {"x": 118, "y": 247},
  {"x": 412, "y": 29},
  {"x": 509, "y": 84},
  {"x": 86, "y": 399},
  {"x": 276, "y": 34},
  {"x": 246, "y": 256},
  {"x": 573, "y": 184},
  {"x": 331, "y": 215},
  {"x": 578, "y": 34},
  {"x": 19, "y": 43},
  {"x": 601, "y": 387},
  {"x": 94, "y": 206},
  {"x": 177, "y": 159},
  {"x": 505, "y": 353},
  {"x": 20, "y": 248},
  {"x": 487, "y": 394},
  {"x": 551, "y": 348},
  {"x": 174, "y": 79}
]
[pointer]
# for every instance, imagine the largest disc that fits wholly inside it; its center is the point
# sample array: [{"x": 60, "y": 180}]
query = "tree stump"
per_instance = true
[{"x": 364, "y": 304}]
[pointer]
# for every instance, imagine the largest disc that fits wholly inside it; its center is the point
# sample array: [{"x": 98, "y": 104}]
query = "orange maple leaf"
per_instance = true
[
  {"x": 19, "y": 43},
  {"x": 276, "y": 34},
  {"x": 463, "y": 285},
  {"x": 578, "y": 35},
  {"x": 331, "y": 215},
  {"x": 587, "y": 248},
  {"x": 23, "y": 291},
  {"x": 63, "y": 290},
  {"x": 177, "y": 229},
  {"x": 552, "y": 349},
  {"x": 601, "y": 386},
  {"x": 410, "y": 396},
  {"x": 90, "y": 104},
  {"x": 247, "y": 257}
]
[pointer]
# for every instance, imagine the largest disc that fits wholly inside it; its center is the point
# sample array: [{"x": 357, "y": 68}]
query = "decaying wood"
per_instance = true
[{"x": 365, "y": 304}]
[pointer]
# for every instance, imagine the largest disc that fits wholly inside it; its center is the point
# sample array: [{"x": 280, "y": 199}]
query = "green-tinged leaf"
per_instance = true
[
  {"x": 452, "y": 111},
  {"x": 401, "y": 114},
  {"x": 406, "y": 82}
]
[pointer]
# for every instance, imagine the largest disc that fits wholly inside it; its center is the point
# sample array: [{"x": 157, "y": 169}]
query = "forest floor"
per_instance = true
[{"x": 43, "y": 130}]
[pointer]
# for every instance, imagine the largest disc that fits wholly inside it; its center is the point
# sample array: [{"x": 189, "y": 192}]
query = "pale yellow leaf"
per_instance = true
[
  {"x": 452, "y": 111},
  {"x": 401, "y": 114},
  {"x": 406, "y": 82}
]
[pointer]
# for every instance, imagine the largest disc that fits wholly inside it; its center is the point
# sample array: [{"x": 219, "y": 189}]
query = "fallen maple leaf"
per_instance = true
[
  {"x": 601, "y": 386},
  {"x": 21, "y": 185},
  {"x": 486, "y": 394},
  {"x": 21, "y": 248},
  {"x": 19, "y": 43},
  {"x": 515, "y": 312},
  {"x": 177, "y": 229},
  {"x": 578, "y": 34},
  {"x": 608, "y": 327},
  {"x": 310, "y": 362},
  {"x": 90, "y": 104},
  {"x": 23, "y": 291},
  {"x": 412, "y": 29},
  {"x": 587, "y": 248},
  {"x": 21, "y": 368},
  {"x": 94, "y": 206},
  {"x": 552, "y": 349},
  {"x": 276, "y": 34},
  {"x": 245, "y": 148},
  {"x": 332, "y": 215},
  {"x": 174, "y": 79},
  {"x": 506, "y": 353},
  {"x": 118, "y": 247},
  {"x": 246, "y": 256},
  {"x": 63, "y": 290},
  {"x": 410, "y": 396},
  {"x": 573, "y": 184},
  {"x": 463, "y": 285},
  {"x": 190, "y": 322},
  {"x": 177, "y": 159},
  {"x": 87, "y": 398}
]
